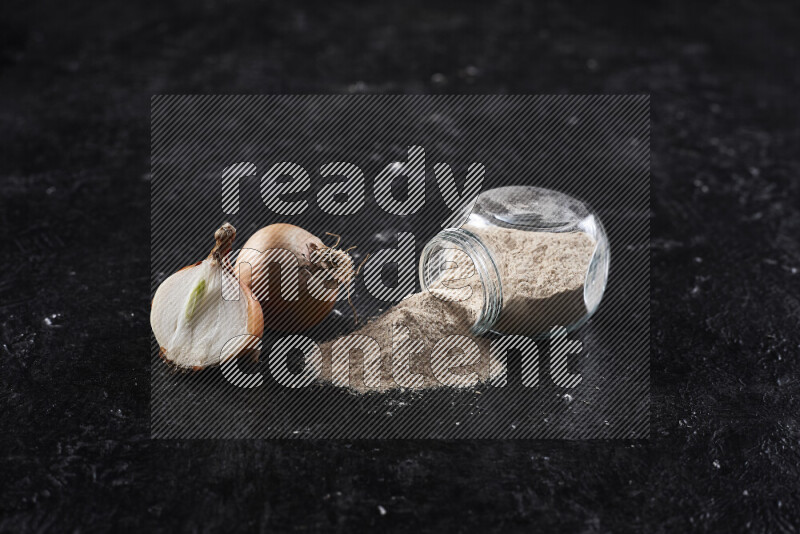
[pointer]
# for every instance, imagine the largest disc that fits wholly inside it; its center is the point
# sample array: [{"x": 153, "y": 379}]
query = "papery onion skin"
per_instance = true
[{"x": 280, "y": 314}]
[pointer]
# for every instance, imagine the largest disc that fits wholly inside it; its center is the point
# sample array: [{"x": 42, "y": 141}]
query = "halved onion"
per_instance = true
[{"x": 203, "y": 315}]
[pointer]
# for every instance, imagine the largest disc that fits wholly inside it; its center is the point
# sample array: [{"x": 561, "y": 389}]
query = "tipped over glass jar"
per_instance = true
[{"x": 522, "y": 260}]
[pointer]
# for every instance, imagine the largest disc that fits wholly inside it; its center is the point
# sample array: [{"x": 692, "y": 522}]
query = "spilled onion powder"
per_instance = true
[{"x": 542, "y": 280}]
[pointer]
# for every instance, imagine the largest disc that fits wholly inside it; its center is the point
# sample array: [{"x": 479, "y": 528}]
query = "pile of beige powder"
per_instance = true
[{"x": 542, "y": 277}]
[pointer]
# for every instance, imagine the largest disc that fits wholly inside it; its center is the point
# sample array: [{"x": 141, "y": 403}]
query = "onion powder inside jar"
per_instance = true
[{"x": 522, "y": 260}]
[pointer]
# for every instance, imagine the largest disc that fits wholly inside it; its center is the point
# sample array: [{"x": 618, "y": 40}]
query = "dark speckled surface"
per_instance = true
[{"x": 76, "y": 81}]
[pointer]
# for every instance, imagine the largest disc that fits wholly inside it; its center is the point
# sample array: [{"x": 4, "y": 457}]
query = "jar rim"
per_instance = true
[{"x": 484, "y": 263}]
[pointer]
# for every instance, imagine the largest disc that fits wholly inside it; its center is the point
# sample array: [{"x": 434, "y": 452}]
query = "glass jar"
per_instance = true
[{"x": 539, "y": 259}]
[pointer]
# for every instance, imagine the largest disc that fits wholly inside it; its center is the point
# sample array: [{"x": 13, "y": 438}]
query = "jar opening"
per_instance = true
[{"x": 431, "y": 265}]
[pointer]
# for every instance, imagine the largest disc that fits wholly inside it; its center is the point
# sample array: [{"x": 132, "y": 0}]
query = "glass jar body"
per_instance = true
[{"x": 523, "y": 259}]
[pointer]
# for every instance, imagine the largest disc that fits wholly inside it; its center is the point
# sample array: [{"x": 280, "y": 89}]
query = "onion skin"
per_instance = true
[
  {"x": 255, "y": 318},
  {"x": 279, "y": 314}
]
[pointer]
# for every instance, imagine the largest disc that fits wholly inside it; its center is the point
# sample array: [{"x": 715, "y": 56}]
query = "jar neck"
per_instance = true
[{"x": 430, "y": 266}]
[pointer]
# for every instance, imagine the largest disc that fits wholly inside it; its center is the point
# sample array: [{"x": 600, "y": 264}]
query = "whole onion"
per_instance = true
[{"x": 267, "y": 266}]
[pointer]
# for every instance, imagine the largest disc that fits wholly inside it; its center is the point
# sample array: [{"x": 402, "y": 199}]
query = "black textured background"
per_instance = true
[{"x": 76, "y": 81}]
